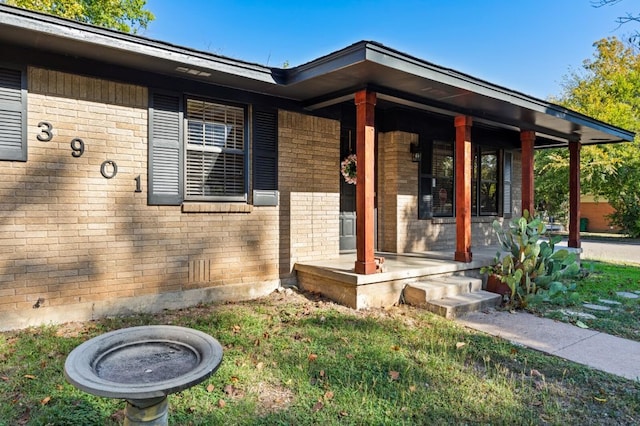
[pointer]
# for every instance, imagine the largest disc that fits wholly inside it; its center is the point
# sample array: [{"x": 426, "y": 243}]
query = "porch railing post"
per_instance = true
[
  {"x": 463, "y": 188},
  {"x": 574, "y": 194},
  {"x": 365, "y": 178},
  {"x": 527, "y": 142}
]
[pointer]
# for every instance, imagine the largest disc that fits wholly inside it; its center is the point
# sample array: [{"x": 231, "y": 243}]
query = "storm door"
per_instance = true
[{"x": 347, "y": 194}]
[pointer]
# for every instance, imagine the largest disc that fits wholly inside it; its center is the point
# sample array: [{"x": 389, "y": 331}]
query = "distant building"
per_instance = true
[{"x": 595, "y": 213}]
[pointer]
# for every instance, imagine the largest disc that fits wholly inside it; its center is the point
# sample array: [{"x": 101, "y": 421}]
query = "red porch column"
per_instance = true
[
  {"x": 365, "y": 139},
  {"x": 574, "y": 194},
  {"x": 463, "y": 188},
  {"x": 527, "y": 141}
]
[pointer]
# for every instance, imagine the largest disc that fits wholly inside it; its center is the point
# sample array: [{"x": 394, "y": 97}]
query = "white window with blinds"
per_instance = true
[{"x": 215, "y": 151}]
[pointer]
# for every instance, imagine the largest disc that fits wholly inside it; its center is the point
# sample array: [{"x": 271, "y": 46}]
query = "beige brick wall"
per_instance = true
[
  {"x": 78, "y": 241},
  {"x": 386, "y": 193},
  {"x": 308, "y": 164},
  {"x": 399, "y": 228},
  {"x": 398, "y": 224}
]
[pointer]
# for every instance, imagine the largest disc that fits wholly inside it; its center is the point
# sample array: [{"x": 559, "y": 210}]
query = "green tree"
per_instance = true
[
  {"x": 608, "y": 89},
  {"x": 123, "y": 15}
]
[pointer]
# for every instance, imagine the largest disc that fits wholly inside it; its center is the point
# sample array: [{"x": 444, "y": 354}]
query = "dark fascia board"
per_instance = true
[{"x": 49, "y": 25}]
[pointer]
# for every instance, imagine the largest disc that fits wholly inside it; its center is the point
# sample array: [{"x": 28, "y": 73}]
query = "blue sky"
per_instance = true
[{"x": 525, "y": 45}]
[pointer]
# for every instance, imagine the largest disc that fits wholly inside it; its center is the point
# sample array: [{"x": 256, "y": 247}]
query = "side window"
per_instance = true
[
  {"x": 484, "y": 181},
  {"x": 198, "y": 151},
  {"x": 13, "y": 114},
  {"x": 488, "y": 178},
  {"x": 490, "y": 182},
  {"x": 444, "y": 179},
  {"x": 215, "y": 151}
]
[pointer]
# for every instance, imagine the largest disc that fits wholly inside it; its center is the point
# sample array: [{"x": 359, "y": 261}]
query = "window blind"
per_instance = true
[{"x": 215, "y": 163}]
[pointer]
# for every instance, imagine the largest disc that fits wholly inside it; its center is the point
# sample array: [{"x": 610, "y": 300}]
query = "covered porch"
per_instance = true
[
  {"x": 403, "y": 106},
  {"x": 336, "y": 278},
  {"x": 465, "y": 203}
]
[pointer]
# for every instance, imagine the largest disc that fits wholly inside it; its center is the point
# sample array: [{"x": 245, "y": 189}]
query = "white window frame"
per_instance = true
[{"x": 231, "y": 146}]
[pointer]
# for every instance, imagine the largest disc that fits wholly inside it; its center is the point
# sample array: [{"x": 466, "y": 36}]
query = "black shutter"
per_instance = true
[
  {"x": 13, "y": 114},
  {"x": 265, "y": 157},
  {"x": 506, "y": 186},
  {"x": 166, "y": 153},
  {"x": 425, "y": 183},
  {"x": 425, "y": 197}
]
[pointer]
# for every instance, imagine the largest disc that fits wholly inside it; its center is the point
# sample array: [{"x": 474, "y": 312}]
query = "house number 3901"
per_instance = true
[{"x": 108, "y": 168}]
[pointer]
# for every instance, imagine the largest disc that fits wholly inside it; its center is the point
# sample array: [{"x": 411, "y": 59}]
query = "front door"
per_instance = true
[
  {"x": 347, "y": 217},
  {"x": 347, "y": 195}
]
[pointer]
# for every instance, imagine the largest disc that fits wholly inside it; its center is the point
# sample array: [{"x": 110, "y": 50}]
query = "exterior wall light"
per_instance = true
[{"x": 415, "y": 152}]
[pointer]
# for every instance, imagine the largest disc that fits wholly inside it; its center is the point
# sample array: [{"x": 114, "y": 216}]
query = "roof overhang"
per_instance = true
[
  {"x": 398, "y": 78},
  {"x": 406, "y": 80}
]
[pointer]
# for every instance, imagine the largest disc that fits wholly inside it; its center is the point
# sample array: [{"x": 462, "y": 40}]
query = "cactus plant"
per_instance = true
[{"x": 530, "y": 264}]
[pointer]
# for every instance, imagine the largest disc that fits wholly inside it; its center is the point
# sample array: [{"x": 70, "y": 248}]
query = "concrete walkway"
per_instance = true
[{"x": 592, "y": 348}]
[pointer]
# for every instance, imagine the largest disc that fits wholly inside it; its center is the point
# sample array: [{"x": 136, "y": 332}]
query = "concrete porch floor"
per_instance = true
[{"x": 335, "y": 279}]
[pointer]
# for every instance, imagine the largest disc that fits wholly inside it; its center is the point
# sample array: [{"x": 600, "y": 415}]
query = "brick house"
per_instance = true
[
  {"x": 139, "y": 175},
  {"x": 595, "y": 212}
]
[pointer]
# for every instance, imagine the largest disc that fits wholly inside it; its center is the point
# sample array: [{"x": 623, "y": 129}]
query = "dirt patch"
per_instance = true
[
  {"x": 74, "y": 329},
  {"x": 273, "y": 398}
]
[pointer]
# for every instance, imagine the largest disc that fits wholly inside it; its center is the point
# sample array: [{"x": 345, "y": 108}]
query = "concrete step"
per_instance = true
[
  {"x": 454, "y": 306},
  {"x": 450, "y": 296},
  {"x": 440, "y": 287}
]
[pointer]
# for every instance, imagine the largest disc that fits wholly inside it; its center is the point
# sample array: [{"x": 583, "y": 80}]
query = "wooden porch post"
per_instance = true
[
  {"x": 365, "y": 138},
  {"x": 527, "y": 141},
  {"x": 463, "y": 188},
  {"x": 574, "y": 194}
]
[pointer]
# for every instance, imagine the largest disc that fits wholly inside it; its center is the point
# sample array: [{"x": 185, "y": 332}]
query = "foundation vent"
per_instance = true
[{"x": 200, "y": 271}]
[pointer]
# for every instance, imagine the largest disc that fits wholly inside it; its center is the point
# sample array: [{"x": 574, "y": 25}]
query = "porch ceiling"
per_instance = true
[{"x": 397, "y": 77}]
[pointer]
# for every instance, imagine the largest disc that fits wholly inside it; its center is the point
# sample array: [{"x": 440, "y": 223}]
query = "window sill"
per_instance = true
[
  {"x": 484, "y": 219},
  {"x": 474, "y": 219},
  {"x": 216, "y": 208},
  {"x": 443, "y": 220}
]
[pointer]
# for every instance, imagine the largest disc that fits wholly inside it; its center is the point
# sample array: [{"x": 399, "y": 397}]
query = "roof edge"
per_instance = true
[{"x": 69, "y": 29}]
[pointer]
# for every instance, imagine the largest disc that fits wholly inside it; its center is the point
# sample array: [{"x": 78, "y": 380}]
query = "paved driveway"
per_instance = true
[{"x": 617, "y": 251}]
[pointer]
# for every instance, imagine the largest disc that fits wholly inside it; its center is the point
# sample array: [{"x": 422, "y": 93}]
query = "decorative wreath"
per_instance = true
[{"x": 348, "y": 168}]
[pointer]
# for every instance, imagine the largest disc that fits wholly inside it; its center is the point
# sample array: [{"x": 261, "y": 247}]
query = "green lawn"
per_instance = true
[
  {"x": 296, "y": 359},
  {"x": 603, "y": 281}
]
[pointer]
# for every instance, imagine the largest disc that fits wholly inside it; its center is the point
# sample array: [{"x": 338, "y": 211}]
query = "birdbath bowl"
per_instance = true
[{"x": 143, "y": 365}]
